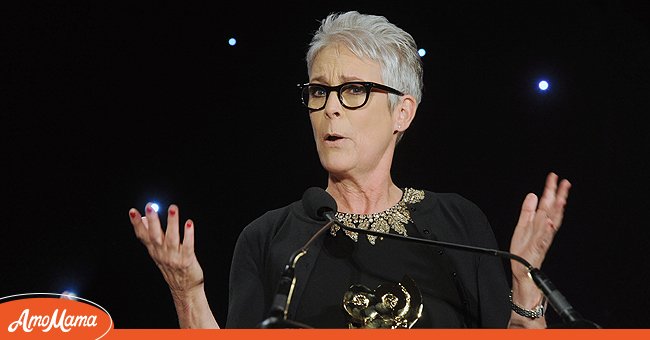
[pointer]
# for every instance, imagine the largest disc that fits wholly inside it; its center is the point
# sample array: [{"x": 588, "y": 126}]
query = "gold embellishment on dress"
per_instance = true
[
  {"x": 389, "y": 306},
  {"x": 395, "y": 218}
]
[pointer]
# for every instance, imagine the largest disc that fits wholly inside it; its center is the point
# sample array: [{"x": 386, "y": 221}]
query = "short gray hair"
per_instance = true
[{"x": 375, "y": 38}]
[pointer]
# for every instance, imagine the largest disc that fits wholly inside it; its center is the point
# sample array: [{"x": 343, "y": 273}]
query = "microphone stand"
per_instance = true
[
  {"x": 569, "y": 315},
  {"x": 280, "y": 306}
]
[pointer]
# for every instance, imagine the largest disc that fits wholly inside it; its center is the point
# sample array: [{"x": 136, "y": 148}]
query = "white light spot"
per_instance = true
[
  {"x": 543, "y": 85},
  {"x": 232, "y": 41},
  {"x": 68, "y": 295},
  {"x": 422, "y": 52},
  {"x": 155, "y": 207}
]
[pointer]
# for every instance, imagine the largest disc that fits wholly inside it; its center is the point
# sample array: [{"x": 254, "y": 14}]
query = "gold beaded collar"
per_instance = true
[{"x": 395, "y": 218}]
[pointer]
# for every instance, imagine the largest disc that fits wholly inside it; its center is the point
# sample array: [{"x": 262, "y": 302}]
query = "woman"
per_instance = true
[{"x": 365, "y": 84}]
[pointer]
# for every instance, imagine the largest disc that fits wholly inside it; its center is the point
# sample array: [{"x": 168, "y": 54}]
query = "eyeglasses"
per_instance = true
[{"x": 352, "y": 95}]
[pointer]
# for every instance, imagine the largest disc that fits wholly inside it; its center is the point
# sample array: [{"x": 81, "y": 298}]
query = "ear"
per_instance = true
[{"x": 405, "y": 113}]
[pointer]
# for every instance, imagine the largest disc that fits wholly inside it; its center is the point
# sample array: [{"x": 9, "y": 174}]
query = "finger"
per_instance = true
[
  {"x": 188, "y": 238},
  {"x": 549, "y": 194},
  {"x": 542, "y": 238},
  {"x": 527, "y": 210},
  {"x": 138, "y": 226},
  {"x": 563, "y": 190},
  {"x": 543, "y": 223},
  {"x": 171, "y": 234},
  {"x": 557, "y": 212},
  {"x": 145, "y": 222},
  {"x": 155, "y": 231}
]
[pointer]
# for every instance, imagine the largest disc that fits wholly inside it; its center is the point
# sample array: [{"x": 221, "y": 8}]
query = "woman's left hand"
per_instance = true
[{"x": 538, "y": 223}]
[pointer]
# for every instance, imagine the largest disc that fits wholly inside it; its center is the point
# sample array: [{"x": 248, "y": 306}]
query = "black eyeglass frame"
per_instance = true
[{"x": 368, "y": 85}]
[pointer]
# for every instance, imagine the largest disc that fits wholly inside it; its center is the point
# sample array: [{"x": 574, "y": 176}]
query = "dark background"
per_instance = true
[{"x": 108, "y": 105}]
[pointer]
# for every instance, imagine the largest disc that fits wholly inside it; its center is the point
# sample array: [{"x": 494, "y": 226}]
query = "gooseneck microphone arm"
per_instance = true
[
  {"x": 282, "y": 299},
  {"x": 494, "y": 252},
  {"x": 277, "y": 317},
  {"x": 559, "y": 303}
]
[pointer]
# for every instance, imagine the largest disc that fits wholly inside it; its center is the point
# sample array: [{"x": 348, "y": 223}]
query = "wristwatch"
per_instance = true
[{"x": 536, "y": 313}]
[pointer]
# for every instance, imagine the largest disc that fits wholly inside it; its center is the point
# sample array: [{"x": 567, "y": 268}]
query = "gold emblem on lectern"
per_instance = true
[{"x": 396, "y": 305}]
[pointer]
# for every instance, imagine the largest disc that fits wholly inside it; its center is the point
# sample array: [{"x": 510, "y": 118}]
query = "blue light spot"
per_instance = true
[
  {"x": 543, "y": 85},
  {"x": 422, "y": 52},
  {"x": 155, "y": 207},
  {"x": 232, "y": 41}
]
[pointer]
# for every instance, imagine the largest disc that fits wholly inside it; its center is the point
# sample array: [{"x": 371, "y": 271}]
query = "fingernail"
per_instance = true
[
  {"x": 149, "y": 209},
  {"x": 188, "y": 224},
  {"x": 132, "y": 214},
  {"x": 172, "y": 212}
]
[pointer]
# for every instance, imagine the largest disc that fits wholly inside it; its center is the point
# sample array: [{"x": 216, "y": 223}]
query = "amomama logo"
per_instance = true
[{"x": 52, "y": 316}]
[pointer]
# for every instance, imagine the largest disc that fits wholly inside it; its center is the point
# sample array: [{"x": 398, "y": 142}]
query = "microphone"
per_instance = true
[
  {"x": 318, "y": 207},
  {"x": 322, "y": 205},
  {"x": 318, "y": 204}
]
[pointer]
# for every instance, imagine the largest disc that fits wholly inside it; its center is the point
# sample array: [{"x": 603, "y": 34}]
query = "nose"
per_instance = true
[{"x": 332, "y": 105}]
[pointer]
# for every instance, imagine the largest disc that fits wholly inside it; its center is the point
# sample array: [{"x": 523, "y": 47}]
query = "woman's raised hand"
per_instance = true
[
  {"x": 175, "y": 258},
  {"x": 540, "y": 220}
]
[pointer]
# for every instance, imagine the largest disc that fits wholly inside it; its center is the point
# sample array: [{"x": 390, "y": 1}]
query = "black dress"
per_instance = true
[{"x": 458, "y": 289}]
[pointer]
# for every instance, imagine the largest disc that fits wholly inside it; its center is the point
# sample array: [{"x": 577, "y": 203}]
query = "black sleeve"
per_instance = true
[
  {"x": 482, "y": 274},
  {"x": 246, "y": 292},
  {"x": 493, "y": 287},
  {"x": 260, "y": 253}
]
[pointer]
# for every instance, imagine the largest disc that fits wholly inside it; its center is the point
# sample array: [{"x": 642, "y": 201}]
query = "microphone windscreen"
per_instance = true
[{"x": 316, "y": 202}]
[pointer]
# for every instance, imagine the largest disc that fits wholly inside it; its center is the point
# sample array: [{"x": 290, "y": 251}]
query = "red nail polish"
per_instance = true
[
  {"x": 149, "y": 209},
  {"x": 132, "y": 214},
  {"x": 172, "y": 212},
  {"x": 189, "y": 224}
]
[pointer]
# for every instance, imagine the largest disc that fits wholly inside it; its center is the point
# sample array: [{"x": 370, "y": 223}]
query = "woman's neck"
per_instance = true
[{"x": 363, "y": 198}]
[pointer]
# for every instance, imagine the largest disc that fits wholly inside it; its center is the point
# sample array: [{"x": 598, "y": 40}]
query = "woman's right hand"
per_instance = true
[
  {"x": 175, "y": 259},
  {"x": 178, "y": 264}
]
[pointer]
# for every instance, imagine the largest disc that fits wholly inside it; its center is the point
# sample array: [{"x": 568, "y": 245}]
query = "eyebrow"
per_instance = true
[{"x": 345, "y": 79}]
